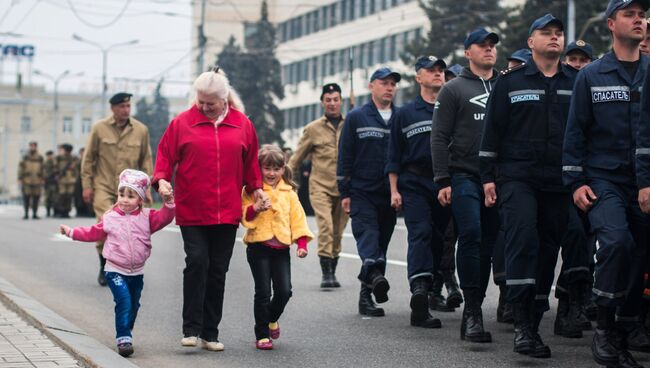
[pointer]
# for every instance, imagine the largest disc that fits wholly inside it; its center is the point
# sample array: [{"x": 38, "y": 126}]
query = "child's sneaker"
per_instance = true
[
  {"x": 125, "y": 349},
  {"x": 213, "y": 345},
  {"x": 189, "y": 341},
  {"x": 264, "y": 344},
  {"x": 274, "y": 330}
]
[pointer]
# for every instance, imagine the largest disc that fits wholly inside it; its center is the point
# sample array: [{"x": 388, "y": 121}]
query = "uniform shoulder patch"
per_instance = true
[{"x": 514, "y": 68}]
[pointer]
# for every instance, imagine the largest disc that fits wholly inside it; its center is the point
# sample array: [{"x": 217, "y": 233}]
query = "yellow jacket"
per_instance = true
[{"x": 285, "y": 220}]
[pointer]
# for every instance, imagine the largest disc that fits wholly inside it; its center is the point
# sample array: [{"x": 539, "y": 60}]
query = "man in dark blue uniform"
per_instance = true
[
  {"x": 412, "y": 188},
  {"x": 365, "y": 193},
  {"x": 520, "y": 159},
  {"x": 598, "y": 166}
]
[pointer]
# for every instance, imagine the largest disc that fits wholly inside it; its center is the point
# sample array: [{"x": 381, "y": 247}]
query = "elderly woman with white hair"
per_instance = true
[{"x": 210, "y": 151}]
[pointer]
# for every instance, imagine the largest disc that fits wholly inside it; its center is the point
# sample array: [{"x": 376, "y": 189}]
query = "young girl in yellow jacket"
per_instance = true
[{"x": 272, "y": 226}]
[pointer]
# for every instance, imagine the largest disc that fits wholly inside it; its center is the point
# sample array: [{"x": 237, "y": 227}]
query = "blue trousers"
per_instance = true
[
  {"x": 575, "y": 255},
  {"x": 373, "y": 222},
  {"x": 126, "y": 292},
  {"x": 534, "y": 224},
  {"x": 478, "y": 228},
  {"x": 426, "y": 221},
  {"x": 621, "y": 231}
]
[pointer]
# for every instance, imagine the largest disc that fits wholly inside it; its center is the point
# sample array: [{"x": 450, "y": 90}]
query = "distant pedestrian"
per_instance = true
[
  {"x": 51, "y": 185},
  {"x": 31, "y": 178},
  {"x": 269, "y": 236},
  {"x": 126, "y": 229},
  {"x": 65, "y": 168},
  {"x": 83, "y": 209}
]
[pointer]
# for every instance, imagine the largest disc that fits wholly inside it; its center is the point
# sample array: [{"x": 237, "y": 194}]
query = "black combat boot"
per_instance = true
[
  {"x": 565, "y": 325},
  {"x": 437, "y": 302},
  {"x": 379, "y": 286},
  {"x": 540, "y": 350},
  {"x": 625, "y": 359},
  {"x": 35, "y": 200},
  {"x": 101, "y": 277},
  {"x": 420, "y": 316},
  {"x": 335, "y": 262},
  {"x": 26, "y": 207},
  {"x": 471, "y": 326},
  {"x": 454, "y": 296},
  {"x": 367, "y": 307},
  {"x": 604, "y": 346},
  {"x": 327, "y": 267},
  {"x": 504, "y": 309},
  {"x": 524, "y": 341},
  {"x": 637, "y": 338}
]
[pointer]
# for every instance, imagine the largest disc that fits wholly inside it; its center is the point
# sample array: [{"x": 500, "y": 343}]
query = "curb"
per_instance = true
[{"x": 88, "y": 351}]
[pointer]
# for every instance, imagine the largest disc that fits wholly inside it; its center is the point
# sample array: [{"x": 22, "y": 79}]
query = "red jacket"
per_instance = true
[{"x": 212, "y": 166}]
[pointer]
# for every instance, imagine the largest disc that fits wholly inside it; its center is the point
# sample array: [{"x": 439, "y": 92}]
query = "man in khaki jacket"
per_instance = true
[
  {"x": 115, "y": 143},
  {"x": 320, "y": 138},
  {"x": 31, "y": 178}
]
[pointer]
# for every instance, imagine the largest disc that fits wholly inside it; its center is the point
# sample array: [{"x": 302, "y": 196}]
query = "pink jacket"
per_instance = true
[{"x": 127, "y": 235}]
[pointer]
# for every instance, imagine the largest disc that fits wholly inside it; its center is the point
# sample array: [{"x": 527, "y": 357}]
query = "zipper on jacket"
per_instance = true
[
  {"x": 216, "y": 136},
  {"x": 130, "y": 238}
]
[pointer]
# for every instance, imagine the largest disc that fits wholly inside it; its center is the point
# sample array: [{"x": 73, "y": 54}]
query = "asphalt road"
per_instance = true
[{"x": 319, "y": 328}]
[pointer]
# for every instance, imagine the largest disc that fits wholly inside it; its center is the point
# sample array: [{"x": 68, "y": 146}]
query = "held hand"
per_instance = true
[
  {"x": 345, "y": 203},
  {"x": 444, "y": 196},
  {"x": 164, "y": 188},
  {"x": 64, "y": 229},
  {"x": 301, "y": 253},
  {"x": 490, "y": 191},
  {"x": 88, "y": 195},
  {"x": 584, "y": 198},
  {"x": 396, "y": 200},
  {"x": 259, "y": 193},
  {"x": 644, "y": 199}
]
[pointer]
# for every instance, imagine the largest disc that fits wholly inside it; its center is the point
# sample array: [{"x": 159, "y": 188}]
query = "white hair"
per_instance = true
[{"x": 217, "y": 84}]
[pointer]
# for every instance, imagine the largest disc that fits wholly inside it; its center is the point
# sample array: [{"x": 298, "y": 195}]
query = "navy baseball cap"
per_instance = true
[
  {"x": 522, "y": 55},
  {"x": 581, "y": 46},
  {"x": 428, "y": 62},
  {"x": 383, "y": 73},
  {"x": 454, "y": 70},
  {"x": 542, "y": 22},
  {"x": 615, "y": 5},
  {"x": 478, "y": 36}
]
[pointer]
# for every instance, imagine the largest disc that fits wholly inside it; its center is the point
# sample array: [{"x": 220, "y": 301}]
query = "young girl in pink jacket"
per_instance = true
[{"x": 127, "y": 229}]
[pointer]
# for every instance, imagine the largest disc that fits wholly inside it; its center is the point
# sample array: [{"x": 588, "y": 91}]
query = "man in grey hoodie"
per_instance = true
[{"x": 455, "y": 139}]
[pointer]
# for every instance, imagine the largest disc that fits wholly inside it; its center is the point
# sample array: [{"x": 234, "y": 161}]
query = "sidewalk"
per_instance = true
[{"x": 22, "y": 345}]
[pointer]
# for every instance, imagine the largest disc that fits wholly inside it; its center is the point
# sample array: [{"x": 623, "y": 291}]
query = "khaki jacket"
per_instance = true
[
  {"x": 30, "y": 170},
  {"x": 110, "y": 151},
  {"x": 321, "y": 140},
  {"x": 65, "y": 168}
]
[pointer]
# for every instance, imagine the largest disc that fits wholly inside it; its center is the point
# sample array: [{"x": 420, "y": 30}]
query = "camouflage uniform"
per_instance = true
[
  {"x": 66, "y": 173},
  {"x": 30, "y": 174},
  {"x": 51, "y": 186}
]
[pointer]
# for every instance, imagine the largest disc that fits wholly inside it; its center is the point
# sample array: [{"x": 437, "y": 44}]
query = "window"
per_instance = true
[
  {"x": 371, "y": 7},
  {"x": 324, "y": 17},
  {"x": 393, "y": 47},
  {"x": 334, "y": 16},
  {"x": 363, "y": 10},
  {"x": 353, "y": 10},
  {"x": 384, "y": 5},
  {"x": 314, "y": 69},
  {"x": 86, "y": 123},
  {"x": 344, "y": 11},
  {"x": 382, "y": 50},
  {"x": 67, "y": 124},
  {"x": 332, "y": 63},
  {"x": 361, "y": 56},
  {"x": 370, "y": 59},
  {"x": 25, "y": 124}
]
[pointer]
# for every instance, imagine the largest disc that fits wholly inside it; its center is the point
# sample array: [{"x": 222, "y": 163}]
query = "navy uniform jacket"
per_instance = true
[
  {"x": 363, "y": 149},
  {"x": 601, "y": 132},
  {"x": 643, "y": 138},
  {"x": 524, "y": 127},
  {"x": 410, "y": 138}
]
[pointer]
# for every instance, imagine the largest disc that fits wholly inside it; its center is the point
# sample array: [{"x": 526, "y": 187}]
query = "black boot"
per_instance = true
[
  {"x": 101, "y": 278},
  {"x": 454, "y": 296},
  {"x": 379, "y": 286},
  {"x": 504, "y": 309},
  {"x": 524, "y": 341},
  {"x": 437, "y": 302},
  {"x": 335, "y": 262},
  {"x": 366, "y": 306},
  {"x": 564, "y": 323},
  {"x": 577, "y": 313},
  {"x": 540, "y": 350},
  {"x": 471, "y": 326},
  {"x": 604, "y": 346},
  {"x": 637, "y": 338},
  {"x": 420, "y": 316},
  {"x": 327, "y": 265},
  {"x": 591, "y": 309},
  {"x": 35, "y": 200}
]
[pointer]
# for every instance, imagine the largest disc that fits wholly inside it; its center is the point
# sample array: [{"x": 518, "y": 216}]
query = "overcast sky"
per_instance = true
[{"x": 163, "y": 47}]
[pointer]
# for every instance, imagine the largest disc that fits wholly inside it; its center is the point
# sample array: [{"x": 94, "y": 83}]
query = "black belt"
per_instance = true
[{"x": 419, "y": 170}]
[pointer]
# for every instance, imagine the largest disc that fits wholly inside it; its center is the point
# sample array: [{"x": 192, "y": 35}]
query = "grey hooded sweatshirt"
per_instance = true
[{"x": 458, "y": 118}]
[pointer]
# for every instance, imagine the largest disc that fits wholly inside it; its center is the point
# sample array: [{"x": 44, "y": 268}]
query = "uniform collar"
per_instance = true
[
  {"x": 232, "y": 119},
  {"x": 372, "y": 110},
  {"x": 421, "y": 104},
  {"x": 114, "y": 123},
  {"x": 531, "y": 68},
  {"x": 609, "y": 63}
]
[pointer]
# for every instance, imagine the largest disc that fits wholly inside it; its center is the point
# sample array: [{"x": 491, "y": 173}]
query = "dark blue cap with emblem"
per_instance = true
[
  {"x": 522, "y": 55},
  {"x": 428, "y": 62},
  {"x": 580, "y": 46},
  {"x": 544, "y": 21},
  {"x": 120, "y": 97},
  {"x": 479, "y": 35},
  {"x": 383, "y": 73},
  {"x": 615, "y": 5},
  {"x": 454, "y": 70}
]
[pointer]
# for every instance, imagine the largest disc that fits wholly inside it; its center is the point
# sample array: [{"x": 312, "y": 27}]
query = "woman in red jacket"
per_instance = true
[{"x": 211, "y": 151}]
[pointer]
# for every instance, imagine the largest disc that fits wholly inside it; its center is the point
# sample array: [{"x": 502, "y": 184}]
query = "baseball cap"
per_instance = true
[
  {"x": 454, "y": 70},
  {"x": 478, "y": 36},
  {"x": 428, "y": 62},
  {"x": 522, "y": 55},
  {"x": 582, "y": 46},
  {"x": 385, "y": 72},
  {"x": 542, "y": 22},
  {"x": 615, "y": 5}
]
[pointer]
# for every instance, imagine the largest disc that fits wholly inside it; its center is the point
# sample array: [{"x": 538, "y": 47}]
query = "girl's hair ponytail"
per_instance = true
[{"x": 272, "y": 155}]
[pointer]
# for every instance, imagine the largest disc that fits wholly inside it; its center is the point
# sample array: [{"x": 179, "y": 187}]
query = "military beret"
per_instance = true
[
  {"x": 330, "y": 88},
  {"x": 120, "y": 97},
  {"x": 66, "y": 147}
]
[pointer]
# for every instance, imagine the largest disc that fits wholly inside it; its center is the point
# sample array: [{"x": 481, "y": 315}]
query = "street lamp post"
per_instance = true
[
  {"x": 105, "y": 50},
  {"x": 56, "y": 81}
]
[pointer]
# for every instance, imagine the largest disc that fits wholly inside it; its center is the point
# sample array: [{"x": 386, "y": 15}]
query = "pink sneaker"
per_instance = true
[
  {"x": 264, "y": 344},
  {"x": 274, "y": 333}
]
